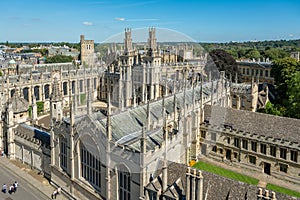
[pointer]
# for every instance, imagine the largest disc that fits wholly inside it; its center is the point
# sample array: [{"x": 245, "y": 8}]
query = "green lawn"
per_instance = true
[
  {"x": 243, "y": 178},
  {"x": 226, "y": 173},
  {"x": 282, "y": 190}
]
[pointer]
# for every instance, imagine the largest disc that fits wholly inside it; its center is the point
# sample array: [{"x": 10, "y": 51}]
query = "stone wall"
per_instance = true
[{"x": 33, "y": 153}]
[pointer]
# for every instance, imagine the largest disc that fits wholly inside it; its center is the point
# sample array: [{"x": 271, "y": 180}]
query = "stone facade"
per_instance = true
[
  {"x": 258, "y": 145},
  {"x": 127, "y": 155},
  {"x": 259, "y": 70},
  {"x": 87, "y": 48}
]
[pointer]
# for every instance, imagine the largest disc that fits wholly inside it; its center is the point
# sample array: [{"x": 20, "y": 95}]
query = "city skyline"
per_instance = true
[{"x": 203, "y": 21}]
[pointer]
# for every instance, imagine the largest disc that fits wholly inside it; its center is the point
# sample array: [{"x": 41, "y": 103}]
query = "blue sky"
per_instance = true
[{"x": 205, "y": 21}]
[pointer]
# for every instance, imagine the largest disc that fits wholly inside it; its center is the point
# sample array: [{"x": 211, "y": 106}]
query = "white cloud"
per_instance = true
[
  {"x": 120, "y": 19},
  {"x": 87, "y": 23},
  {"x": 291, "y": 35},
  {"x": 141, "y": 20},
  {"x": 135, "y": 20}
]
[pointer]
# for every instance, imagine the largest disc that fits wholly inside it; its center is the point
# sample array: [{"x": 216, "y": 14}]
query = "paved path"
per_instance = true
[{"x": 31, "y": 185}]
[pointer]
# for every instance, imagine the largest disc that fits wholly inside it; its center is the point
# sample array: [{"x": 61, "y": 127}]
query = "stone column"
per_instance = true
[
  {"x": 1, "y": 133},
  {"x": 121, "y": 88},
  {"x": 151, "y": 92},
  {"x": 29, "y": 94},
  {"x": 22, "y": 153},
  {"x": 194, "y": 184},
  {"x": 43, "y": 93},
  {"x": 288, "y": 154},
  {"x": 258, "y": 147},
  {"x": 40, "y": 93},
  {"x": 156, "y": 89},
  {"x": 238, "y": 102},
  {"x": 32, "y": 159},
  {"x": 249, "y": 145},
  {"x": 187, "y": 175},
  {"x": 199, "y": 185},
  {"x": 277, "y": 152},
  {"x": 144, "y": 83},
  {"x": 78, "y": 163},
  {"x": 229, "y": 101},
  {"x": 268, "y": 149},
  {"x": 57, "y": 149}
]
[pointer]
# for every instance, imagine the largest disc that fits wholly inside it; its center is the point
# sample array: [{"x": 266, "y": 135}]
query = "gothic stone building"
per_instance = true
[{"x": 94, "y": 156}]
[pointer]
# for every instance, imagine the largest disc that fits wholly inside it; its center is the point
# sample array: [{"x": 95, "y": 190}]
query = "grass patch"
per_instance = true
[
  {"x": 282, "y": 190},
  {"x": 225, "y": 172},
  {"x": 82, "y": 98}
]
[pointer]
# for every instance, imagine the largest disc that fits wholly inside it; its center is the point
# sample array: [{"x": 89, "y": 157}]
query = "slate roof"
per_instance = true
[
  {"x": 254, "y": 123},
  {"x": 127, "y": 125},
  {"x": 176, "y": 181},
  {"x": 31, "y": 132}
]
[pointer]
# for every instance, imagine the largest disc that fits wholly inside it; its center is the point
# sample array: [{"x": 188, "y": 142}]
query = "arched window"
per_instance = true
[
  {"x": 25, "y": 93},
  {"x": 90, "y": 167},
  {"x": 73, "y": 87},
  {"x": 95, "y": 83},
  {"x": 47, "y": 91},
  {"x": 124, "y": 183},
  {"x": 63, "y": 155},
  {"x": 12, "y": 92},
  {"x": 37, "y": 92},
  {"x": 65, "y": 88},
  {"x": 88, "y": 83},
  {"x": 81, "y": 85}
]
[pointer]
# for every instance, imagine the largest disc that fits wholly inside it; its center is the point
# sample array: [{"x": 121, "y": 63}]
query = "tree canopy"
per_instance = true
[
  {"x": 293, "y": 109},
  {"x": 286, "y": 72},
  {"x": 220, "y": 60},
  {"x": 260, "y": 49},
  {"x": 282, "y": 71},
  {"x": 59, "y": 59}
]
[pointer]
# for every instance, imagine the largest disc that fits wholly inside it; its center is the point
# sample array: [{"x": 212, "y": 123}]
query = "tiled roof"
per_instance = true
[
  {"x": 31, "y": 132},
  {"x": 255, "y": 123}
]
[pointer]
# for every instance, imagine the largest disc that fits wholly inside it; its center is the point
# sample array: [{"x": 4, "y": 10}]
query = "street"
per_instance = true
[{"x": 25, "y": 190}]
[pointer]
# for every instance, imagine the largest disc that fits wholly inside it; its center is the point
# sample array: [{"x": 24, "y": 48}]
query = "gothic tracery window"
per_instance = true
[
  {"x": 90, "y": 167},
  {"x": 63, "y": 155},
  {"x": 124, "y": 184}
]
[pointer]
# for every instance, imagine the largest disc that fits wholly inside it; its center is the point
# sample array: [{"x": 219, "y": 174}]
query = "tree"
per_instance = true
[
  {"x": 282, "y": 71},
  {"x": 272, "y": 109},
  {"x": 275, "y": 53},
  {"x": 294, "y": 96},
  {"x": 40, "y": 107},
  {"x": 59, "y": 59},
  {"x": 253, "y": 53},
  {"x": 220, "y": 60}
]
